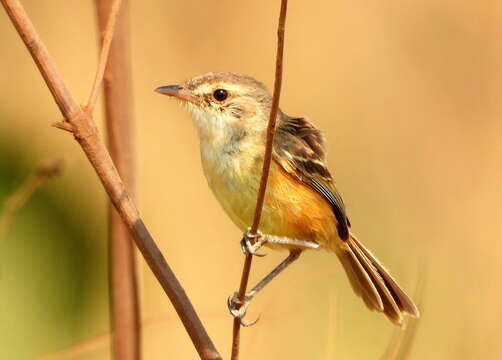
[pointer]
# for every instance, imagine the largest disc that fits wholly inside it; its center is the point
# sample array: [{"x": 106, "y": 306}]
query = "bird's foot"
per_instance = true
[
  {"x": 251, "y": 243},
  {"x": 238, "y": 308}
]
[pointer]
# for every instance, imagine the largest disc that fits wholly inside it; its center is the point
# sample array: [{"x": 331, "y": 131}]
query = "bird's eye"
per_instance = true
[{"x": 220, "y": 94}]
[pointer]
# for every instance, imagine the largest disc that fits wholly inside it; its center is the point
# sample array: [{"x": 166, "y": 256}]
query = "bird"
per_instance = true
[{"x": 303, "y": 209}]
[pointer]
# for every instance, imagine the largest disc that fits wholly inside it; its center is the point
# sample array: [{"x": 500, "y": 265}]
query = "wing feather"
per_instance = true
[{"x": 299, "y": 149}]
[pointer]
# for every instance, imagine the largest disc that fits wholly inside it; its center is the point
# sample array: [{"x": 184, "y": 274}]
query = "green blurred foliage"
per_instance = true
[{"x": 46, "y": 263}]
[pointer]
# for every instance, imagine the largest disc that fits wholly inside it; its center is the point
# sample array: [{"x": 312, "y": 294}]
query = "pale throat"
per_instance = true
[
  {"x": 231, "y": 155},
  {"x": 228, "y": 149}
]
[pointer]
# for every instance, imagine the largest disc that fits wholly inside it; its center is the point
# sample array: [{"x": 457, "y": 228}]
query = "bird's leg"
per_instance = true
[
  {"x": 293, "y": 256},
  {"x": 234, "y": 302},
  {"x": 249, "y": 248},
  {"x": 302, "y": 244}
]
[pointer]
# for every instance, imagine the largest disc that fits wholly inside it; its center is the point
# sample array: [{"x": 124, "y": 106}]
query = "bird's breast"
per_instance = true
[
  {"x": 291, "y": 208},
  {"x": 233, "y": 172}
]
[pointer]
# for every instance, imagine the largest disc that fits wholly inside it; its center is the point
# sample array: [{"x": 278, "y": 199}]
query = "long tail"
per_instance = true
[{"x": 371, "y": 281}]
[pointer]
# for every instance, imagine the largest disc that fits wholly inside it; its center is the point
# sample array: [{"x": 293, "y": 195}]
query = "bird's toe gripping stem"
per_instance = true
[
  {"x": 238, "y": 308},
  {"x": 247, "y": 245}
]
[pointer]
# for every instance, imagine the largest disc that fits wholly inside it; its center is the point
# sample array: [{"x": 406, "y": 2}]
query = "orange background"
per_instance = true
[{"x": 408, "y": 95}]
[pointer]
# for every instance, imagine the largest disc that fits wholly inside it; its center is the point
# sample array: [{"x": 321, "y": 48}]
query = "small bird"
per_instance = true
[{"x": 303, "y": 208}]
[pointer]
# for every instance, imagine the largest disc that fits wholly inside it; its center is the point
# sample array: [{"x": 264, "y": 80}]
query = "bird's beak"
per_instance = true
[{"x": 178, "y": 92}]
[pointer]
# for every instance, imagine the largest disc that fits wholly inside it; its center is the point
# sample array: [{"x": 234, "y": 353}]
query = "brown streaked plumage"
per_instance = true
[
  {"x": 303, "y": 208},
  {"x": 299, "y": 149}
]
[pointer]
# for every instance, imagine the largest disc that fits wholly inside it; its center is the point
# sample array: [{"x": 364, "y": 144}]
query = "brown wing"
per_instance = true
[{"x": 299, "y": 149}]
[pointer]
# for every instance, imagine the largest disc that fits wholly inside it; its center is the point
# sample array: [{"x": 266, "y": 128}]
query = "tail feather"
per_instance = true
[
  {"x": 374, "y": 284},
  {"x": 403, "y": 300},
  {"x": 358, "y": 275},
  {"x": 391, "y": 308}
]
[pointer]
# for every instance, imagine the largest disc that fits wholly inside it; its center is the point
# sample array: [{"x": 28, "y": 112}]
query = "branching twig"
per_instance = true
[
  {"x": 22, "y": 194},
  {"x": 123, "y": 279},
  {"x": 104, "y": 54},
  {"x": 265, "y": 171},
  {"x": 86, "y": 134}
]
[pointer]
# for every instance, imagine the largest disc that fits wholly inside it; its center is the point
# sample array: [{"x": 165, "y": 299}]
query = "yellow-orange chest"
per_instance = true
[{"x": 291, "y": 208}]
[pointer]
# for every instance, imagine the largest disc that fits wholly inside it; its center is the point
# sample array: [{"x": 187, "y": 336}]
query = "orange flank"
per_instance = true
[{"x": 292, "y": 209}]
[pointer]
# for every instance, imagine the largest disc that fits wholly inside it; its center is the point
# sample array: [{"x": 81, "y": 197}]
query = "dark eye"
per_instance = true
[{"x": 220, "y": 94}]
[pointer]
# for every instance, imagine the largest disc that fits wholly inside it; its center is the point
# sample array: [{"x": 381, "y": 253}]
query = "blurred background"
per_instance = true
[{"x": 408, "y": 94}]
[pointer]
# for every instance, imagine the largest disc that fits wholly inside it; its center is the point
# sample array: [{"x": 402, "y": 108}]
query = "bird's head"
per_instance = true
[{"x": 223, "y": 104}]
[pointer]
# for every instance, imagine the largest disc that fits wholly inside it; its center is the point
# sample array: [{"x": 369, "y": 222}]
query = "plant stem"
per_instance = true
[
  {"x": 86, "y": 134},
  {"x": 265, "y": 171},
  {"x": 123, "y": 279}
]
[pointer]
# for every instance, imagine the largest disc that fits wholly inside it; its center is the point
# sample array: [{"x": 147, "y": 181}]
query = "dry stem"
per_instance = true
[
  {"x": 265, "y": 171},
  {"x": 24, "y": 192},
  {"x": 123, "y": 279},
  {"x": 106, "y": 43},
  {"x": 86, "y": 134},
  {"x": 97, "y": 343}
]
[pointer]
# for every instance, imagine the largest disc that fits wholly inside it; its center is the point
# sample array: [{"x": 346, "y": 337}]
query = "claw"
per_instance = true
[
  {"x": 246, "y": 323},
  {"x": 238, "y": 308},
  {"x": 251, "y": 249}
]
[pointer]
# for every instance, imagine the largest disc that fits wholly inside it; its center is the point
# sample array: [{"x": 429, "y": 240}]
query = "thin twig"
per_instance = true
[
  {"x": 87, "y": 135},
  {"x": 332, "y": 327},
  {"x": 96, "y": 343},
  {"x": 399, "y": 347},
  {"x": 78, "y": 350},
  {"x": 104, "y": 55},
  {"x": 123, "y": 280},
  {"x": 24, "y": 192},
  {"x": 267, "y": 158}
]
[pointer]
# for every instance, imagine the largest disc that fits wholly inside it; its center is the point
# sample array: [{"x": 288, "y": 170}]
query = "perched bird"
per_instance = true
[{"x": 303, "y": 208}]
